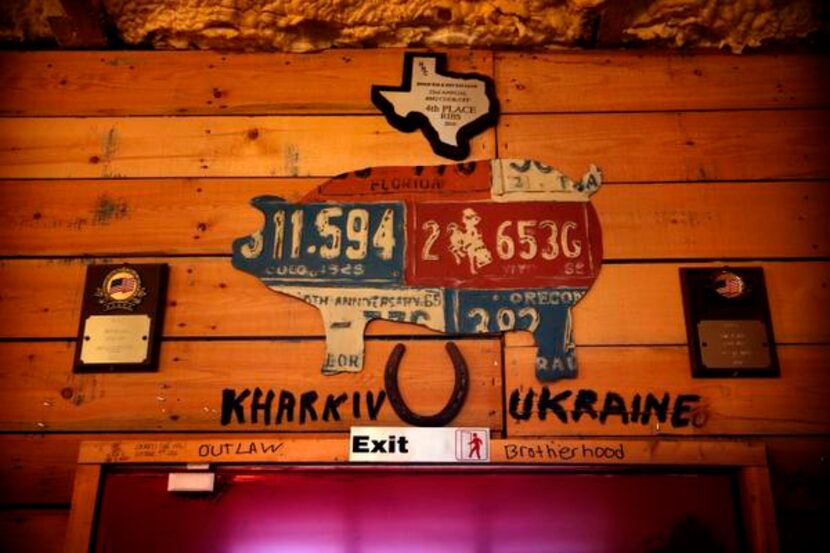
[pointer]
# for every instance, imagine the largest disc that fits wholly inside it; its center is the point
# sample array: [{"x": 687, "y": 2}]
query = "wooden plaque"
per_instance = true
[
  {"x": 728, "y": 322},
  {"x": 121, "y": 318}
]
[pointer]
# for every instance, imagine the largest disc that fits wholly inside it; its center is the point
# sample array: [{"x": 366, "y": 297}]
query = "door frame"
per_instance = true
[{"x": 748, "y": 459}]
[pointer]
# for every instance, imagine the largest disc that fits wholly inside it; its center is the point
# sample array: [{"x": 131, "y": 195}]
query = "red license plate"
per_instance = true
[{"x": 503, "y": 245}]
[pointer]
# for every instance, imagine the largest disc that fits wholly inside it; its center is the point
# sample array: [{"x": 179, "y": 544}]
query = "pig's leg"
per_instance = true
[
  {"x": 344, "y": 342},
  {"x": 555, "y": 355}
]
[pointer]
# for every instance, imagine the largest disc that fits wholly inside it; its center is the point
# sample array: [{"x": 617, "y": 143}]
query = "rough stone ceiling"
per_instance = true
[{"x": 305, "y": 25}]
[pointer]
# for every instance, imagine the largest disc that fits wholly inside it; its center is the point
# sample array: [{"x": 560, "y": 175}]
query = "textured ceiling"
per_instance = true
[{"x": 304, "y": 25}]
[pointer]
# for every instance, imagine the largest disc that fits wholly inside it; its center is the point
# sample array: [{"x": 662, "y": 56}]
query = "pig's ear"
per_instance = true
[
  {"x": 591, "y": 181},
  {"x": 262, "y": 202}
]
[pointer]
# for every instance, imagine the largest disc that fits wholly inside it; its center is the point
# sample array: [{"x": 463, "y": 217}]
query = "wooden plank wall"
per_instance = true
[{"x": 153, "y": 156}]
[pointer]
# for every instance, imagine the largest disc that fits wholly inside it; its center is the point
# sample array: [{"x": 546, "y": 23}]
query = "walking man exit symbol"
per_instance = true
[
  {"x": 475, "y": 447},
  {"x": 472, "y": 445}
]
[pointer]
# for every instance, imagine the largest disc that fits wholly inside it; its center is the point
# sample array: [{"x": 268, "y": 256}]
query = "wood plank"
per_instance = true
[
  {"x": 642, "y": 304},
  {"x": 207, "y": 297},
  {"x": 126, "y": 216},
  {"x": 621, "y": 81},
  {"x": 268, "y": 146},
  {"x": 758, "y": 510},
  {"x": 180, "y": 216},
  {"x": 82, "y": 514},
  {"x": 33, "y": 530},
  {"x": 225, "y": 449},
  {"x": 625, "y": 451},
  {"x": 683, "y": 146},
  {"x": 336, "y": 81},
  {"x": 32, "y": 391},
  {"x": 628, "y": 452},
  {"x": 792, "y": 404},
  {"x": 39, "y": 392},
  {"x": 205, "y": 83},
  {"x": 758, "y": 220},
  {"x": 690, "y": 146}
]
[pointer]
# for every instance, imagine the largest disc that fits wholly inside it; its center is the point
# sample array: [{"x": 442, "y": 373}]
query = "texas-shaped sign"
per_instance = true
[
  {"x": 473, "y": 248},
  {"x": 449, "y": 108}
]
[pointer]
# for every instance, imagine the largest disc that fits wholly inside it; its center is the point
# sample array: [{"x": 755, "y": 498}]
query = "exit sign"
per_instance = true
[{"x": 419, "y": 445}]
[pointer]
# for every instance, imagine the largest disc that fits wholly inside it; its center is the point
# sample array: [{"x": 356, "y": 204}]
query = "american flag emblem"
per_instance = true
[
  {"x": 123, "y": 285},
  {"x": 729, "y": 285}
]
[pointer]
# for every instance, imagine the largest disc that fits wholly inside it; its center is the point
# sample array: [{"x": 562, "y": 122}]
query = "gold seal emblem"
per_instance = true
[{"x": 121, "y": 289}]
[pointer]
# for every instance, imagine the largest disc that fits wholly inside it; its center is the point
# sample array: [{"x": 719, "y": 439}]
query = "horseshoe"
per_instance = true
[{"x": 453, "y": 406}]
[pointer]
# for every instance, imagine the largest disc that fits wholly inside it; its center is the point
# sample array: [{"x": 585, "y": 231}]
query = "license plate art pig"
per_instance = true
[{"x": 479, "y": 247}]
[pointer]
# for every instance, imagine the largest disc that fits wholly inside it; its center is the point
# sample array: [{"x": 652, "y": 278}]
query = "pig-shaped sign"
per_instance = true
[{"x": 473, "y": 248}]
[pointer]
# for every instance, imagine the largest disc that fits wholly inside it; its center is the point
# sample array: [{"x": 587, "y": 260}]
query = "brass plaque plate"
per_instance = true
[
  {"x": 121, "y": 318},
  {"x": 736, "y": 344},
  {"x": 116, "y": 339}
]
